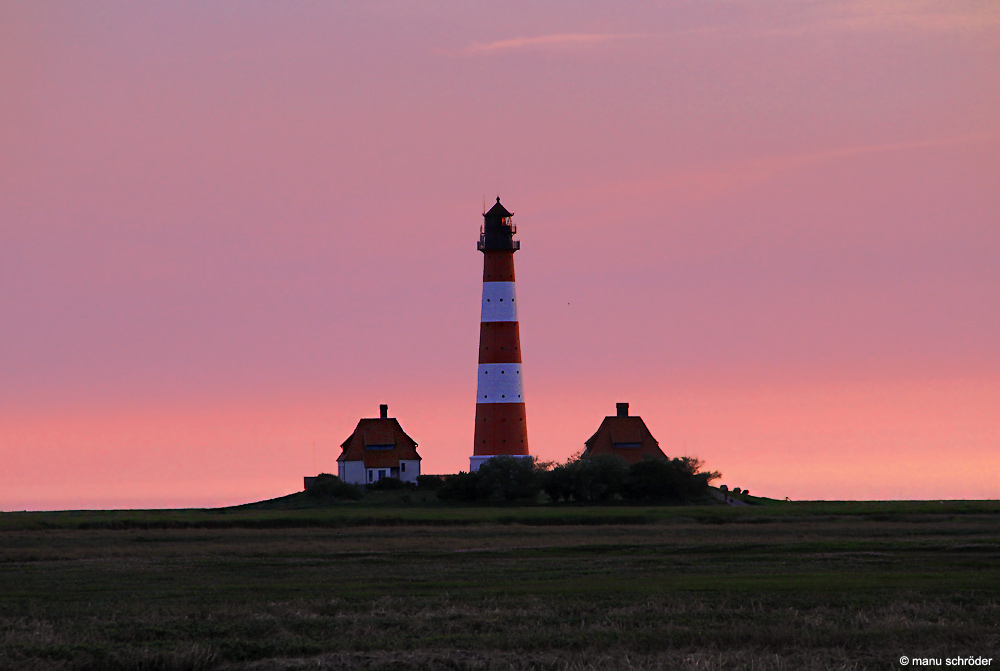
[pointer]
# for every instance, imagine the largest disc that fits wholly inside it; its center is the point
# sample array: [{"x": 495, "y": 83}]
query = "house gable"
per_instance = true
[
  {"x": 624, "y": 436},
  {"x": 379, "y": 443}
]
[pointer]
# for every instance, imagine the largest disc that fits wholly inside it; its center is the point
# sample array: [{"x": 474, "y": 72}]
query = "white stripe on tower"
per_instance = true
[
  {"x": 499, "y": 383},
  {"x": 499, "y": 302}
]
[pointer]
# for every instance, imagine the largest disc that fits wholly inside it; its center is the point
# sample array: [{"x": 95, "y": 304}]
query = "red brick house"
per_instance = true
[
  {"x": 378, "y": 448},
  {"x": 624, "y": 436}
]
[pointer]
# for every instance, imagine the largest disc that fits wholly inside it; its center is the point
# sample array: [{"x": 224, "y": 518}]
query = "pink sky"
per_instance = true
[{"x": 229, "y": 230}]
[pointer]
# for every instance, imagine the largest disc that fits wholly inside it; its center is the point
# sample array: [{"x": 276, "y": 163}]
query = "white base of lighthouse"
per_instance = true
[{"x": 478, "y": 460}]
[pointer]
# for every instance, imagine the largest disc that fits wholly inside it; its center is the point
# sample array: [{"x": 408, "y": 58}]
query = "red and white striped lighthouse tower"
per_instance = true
[{"x": 501, "y": 428}]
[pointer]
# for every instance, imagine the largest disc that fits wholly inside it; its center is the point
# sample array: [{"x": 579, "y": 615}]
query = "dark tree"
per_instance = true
[
  {"x": 558, "y": 483},
  {"x": 498, "y": 479},
  {"x": 599, "y": 478},
  {"x": 509, "y": 478},
  {"x": 661, "y": 480},
  {"x": 460, "y": 487}
]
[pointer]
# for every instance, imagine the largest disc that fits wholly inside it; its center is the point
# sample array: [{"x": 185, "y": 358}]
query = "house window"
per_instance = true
[
  {"x": 371, "y": 474},
  {"x": 402, "y": 466},
  {"x": 381, "y": 473}
]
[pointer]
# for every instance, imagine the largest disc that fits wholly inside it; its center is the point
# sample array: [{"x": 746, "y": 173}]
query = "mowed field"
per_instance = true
[{"x": 420, "y": 585}]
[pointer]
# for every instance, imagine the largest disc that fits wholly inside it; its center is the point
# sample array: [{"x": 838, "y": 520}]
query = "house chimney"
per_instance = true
[
  {"x": 383, "y": 411},
  {"x": 622, "y": 409}
]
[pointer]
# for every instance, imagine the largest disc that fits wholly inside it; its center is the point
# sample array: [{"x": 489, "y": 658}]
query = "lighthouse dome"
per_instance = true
[{"x": 498, "y": 211}]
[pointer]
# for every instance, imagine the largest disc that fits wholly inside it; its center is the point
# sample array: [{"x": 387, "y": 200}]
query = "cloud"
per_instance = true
[
  {"x": 715, "y": 180},
  {"x": 794, "y": 161},
  {"x": 924, "y": 16},
  {"x": 856, "y": 16},
  {"x": 757, "y": 171},
  {"x": 555, "y": 41},
  {"x": 913, "y": 15}
]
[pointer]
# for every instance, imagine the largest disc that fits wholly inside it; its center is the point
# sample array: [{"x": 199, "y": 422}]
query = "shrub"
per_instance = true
[
  {"x": 558, "y": 483},
  {"x": 674, "y": 480},
  {"x": 389, "y": 484},
  {"x": 330, "y": 487},
  {"x": 599, "y": 478},
  {"x": 430, "y": 482},
  {"x": 460, "y": 487},
  {"x": 509, "y": 478},
  {"x": 501, "y": 478}
]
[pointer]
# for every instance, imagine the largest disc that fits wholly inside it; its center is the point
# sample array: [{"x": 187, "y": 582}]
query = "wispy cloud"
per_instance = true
[
  {"x": 794, "y": 161},
  {"x": 860, "y": 16},
  {"x": 924, "y": 15},
  {"x": 764, "y": 169},
  {"x": 711, "y": 181},
  {"x": 555, "y": 41}
]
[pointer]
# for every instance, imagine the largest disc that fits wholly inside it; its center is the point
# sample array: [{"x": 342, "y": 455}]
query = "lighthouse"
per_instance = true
[{"x": 501, "y": 427}]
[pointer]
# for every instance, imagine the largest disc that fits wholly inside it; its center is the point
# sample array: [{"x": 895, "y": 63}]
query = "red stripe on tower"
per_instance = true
[{"x": 501, "y": 428}]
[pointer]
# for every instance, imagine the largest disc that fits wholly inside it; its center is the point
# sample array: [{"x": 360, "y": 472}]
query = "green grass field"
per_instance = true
[{"x": 385, "y": 584}]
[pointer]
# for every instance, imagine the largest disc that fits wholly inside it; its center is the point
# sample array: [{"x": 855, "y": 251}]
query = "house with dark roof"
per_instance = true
[
  {"x": 378, "y": 448},
  {"x": 624, "y": 436}
]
